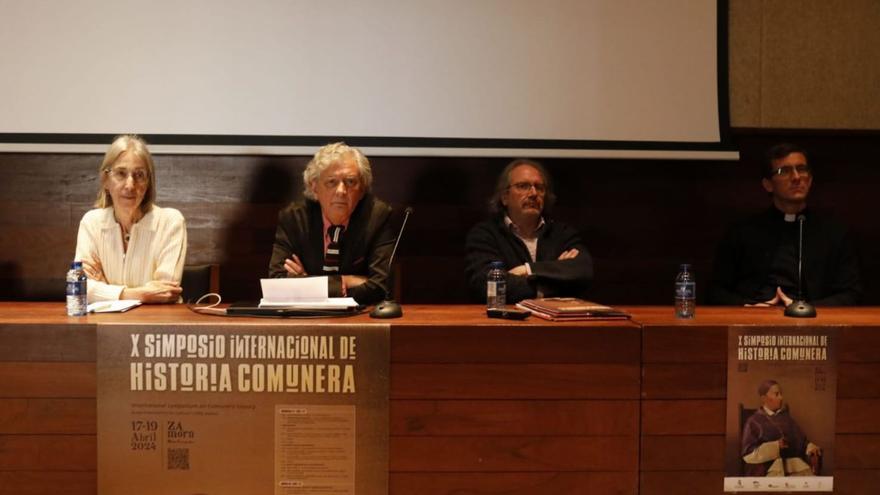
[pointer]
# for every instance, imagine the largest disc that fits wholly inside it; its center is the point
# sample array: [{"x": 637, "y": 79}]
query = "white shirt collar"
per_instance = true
[{"x": 516, "y": 230}]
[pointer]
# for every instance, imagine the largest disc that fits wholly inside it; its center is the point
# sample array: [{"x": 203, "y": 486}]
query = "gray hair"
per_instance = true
[
  {"x": 126, "y": 143},
  {"x": 331, "y": 154},
  {"x": 496, "y": 207}
]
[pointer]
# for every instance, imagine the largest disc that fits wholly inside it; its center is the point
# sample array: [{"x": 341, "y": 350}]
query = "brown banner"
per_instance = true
[
  {"x": 781, "y": 405},
  {"x": 283, "y": 410}
]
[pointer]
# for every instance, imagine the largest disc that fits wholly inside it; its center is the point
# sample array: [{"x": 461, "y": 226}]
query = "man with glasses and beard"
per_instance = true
[
  {"x": 543, "y": 258},
  {"x": 756, "y": 263}
]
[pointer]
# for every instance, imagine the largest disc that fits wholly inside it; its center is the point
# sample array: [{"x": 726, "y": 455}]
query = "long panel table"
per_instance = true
[{"x": 478, "y": 406}]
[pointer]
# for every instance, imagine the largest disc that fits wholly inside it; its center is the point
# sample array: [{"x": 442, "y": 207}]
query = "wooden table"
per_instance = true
[{"x": 477, "y": 405}]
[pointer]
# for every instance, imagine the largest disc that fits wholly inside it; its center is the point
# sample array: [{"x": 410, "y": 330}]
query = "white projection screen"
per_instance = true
[{"x": 414, "y": 77}]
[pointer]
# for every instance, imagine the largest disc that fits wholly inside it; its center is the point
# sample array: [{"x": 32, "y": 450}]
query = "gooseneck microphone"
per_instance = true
[
  {"x": 800, "y": 308},
  {"x": 389, "y": 308}
]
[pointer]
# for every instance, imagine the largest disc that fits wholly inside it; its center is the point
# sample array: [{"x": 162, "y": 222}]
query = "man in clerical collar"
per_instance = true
[
  {"x": 757, "y": 262},
  {"x": 542, "y": 257}
]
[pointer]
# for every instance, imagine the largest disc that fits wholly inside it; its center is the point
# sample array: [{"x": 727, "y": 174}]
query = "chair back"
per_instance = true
[{"x": 199, "y": 280}]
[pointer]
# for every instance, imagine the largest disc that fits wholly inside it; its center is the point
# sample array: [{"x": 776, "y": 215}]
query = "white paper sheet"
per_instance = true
[
  {"x": 329, "y": 303},
  {"x": 295, "y": 289},
  {"x": 119, "y": 306}
]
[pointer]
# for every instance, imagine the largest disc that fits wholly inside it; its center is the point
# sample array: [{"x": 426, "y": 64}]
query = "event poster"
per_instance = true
[
  {"x": 262, "y": 409},
  {"x": 781, "y": 405}
]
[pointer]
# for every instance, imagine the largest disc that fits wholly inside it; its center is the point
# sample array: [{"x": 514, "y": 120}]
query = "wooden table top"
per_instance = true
[{"x": 444, "y": 315}]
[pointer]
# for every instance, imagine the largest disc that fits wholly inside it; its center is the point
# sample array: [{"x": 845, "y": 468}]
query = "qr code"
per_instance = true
[{"x": 178, "y": 459}]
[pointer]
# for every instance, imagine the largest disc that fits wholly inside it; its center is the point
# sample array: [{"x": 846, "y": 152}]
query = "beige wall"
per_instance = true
[{"x": 805, "y": 64}]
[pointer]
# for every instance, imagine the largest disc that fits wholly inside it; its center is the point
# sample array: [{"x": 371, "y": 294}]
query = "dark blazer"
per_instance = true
[
  {"x": 760, "y": 253},
  {"x": 365, "y": 249},
  {"x": 492, "y": 240}
]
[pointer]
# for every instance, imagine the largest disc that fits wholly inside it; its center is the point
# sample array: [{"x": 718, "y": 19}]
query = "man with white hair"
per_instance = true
[{"x": 340, "y": 230}]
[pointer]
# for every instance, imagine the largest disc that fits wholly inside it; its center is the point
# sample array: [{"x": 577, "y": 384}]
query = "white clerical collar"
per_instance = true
[
  {"x": 790, "y": 217},
  {"x": 771, "y": 413}
]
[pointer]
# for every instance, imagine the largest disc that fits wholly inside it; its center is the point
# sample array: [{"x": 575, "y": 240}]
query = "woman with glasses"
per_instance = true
[{"x": 130, "y": 247}]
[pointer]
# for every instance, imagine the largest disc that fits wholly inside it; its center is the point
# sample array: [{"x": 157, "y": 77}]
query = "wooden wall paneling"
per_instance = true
[
  {"x": 684, "y": 381},
  {"x": 607, "y": 342},
  {"x": 858, "y": 451},
  {"x": 689, "y": 482},
  {"x": 856, "y": 481},
  {"x": 47, "y": 407},
  {"x": 48, "y": 452},
  {"x": 688, "y": 452},
  {"x": 514, "y": 417},
  {"x": 48, "y": 416},
  {"x": 684, "y": 378},
  {"x": 43, "y": 482},
  {"x": 684, "y": 344},
  {"x": 858, "y": 416},
  {"x": 858, "y": 344},
  {"x": 665, "y": 417},
  {"x": 64, "y": 343},
  {"x": 858, "y": 380},
  {"x": 41, "y": 380},
  {"x": 519, "y": 405},
  {"x": 514, "y": 381},
  {"x": 514, "y": 454},
  {"x": 857, "y": 438},
  {"x": 619, "y": 483}
]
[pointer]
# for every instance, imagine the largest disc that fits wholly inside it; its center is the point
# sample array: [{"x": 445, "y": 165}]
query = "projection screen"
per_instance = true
[{"x": 413, "y": 77}]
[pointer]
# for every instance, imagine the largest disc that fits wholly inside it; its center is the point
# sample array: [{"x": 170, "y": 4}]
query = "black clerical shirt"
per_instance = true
[{"x": 760, "y": 254}]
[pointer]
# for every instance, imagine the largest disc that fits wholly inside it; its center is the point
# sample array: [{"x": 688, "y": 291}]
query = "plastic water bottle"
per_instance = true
[
  {"x": 77, "y": 296},
  {"x": 685, "y": 292},
  {"x": 496, "y": 286}
]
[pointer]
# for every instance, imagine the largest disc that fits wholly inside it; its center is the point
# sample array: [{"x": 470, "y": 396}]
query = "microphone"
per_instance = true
[
  {"x": 389, "y": 308},
  {"x": 800, "y": 308}
]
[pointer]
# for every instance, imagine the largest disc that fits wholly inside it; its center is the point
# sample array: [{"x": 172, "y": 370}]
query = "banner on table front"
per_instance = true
[
  {"x": 781, "y": 397},
  {"x": 272, "y": 409}
]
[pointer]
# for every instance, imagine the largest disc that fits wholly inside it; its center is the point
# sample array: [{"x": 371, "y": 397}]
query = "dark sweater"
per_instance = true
[{"x": 493, "y": 241}]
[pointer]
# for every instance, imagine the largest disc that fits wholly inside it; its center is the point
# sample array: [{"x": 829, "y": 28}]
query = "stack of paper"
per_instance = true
[{"x": 301, "y": 293}]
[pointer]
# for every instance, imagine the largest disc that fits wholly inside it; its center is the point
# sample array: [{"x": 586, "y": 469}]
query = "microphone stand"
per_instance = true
[
  {"x": 389, "y": 308},
  {"x": 800, "y": 308}
]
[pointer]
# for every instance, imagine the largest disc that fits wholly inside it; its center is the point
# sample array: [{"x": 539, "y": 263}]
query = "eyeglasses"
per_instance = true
[
  {"x": 139, "y": 176},
  {"x": 350, "y": 183},
  {"x": 525, "y": 187},
  {"x": 789, "y": 170}
]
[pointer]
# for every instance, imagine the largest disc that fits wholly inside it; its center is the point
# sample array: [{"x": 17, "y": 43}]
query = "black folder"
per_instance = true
[{"x": 253, "y": 308}]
